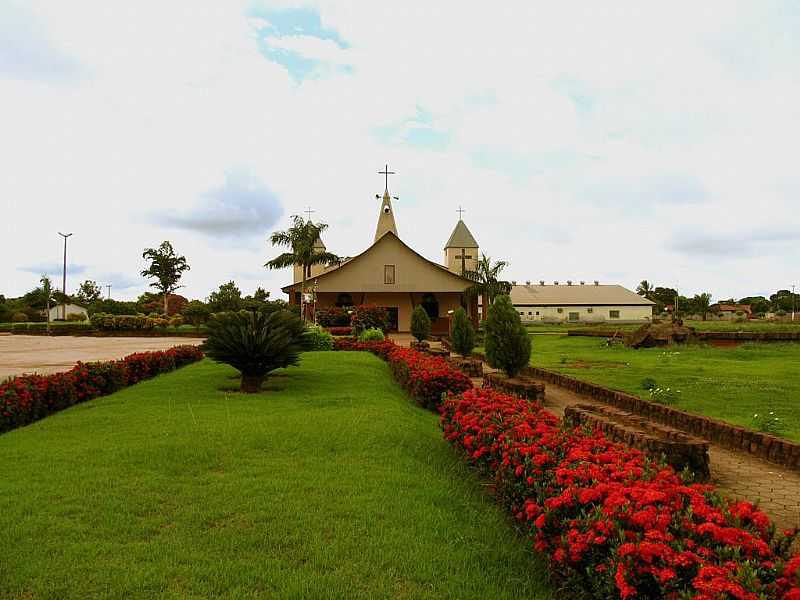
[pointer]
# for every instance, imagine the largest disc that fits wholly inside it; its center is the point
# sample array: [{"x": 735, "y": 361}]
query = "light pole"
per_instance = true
[{"x": 64, "y": 278}]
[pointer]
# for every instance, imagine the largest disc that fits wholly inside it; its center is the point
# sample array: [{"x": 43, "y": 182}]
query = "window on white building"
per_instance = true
[{"x": 613, "y": 314}]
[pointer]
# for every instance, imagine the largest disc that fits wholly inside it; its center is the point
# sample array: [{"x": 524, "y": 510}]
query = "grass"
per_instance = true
[
  {"x": 331, "y": 484},
  {"x": 731, "y": 384}
]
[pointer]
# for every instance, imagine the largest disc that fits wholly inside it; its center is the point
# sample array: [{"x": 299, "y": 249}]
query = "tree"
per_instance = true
[
  {"x": 663, "y": 297},
  {"x": 301, "y": 239},
  {"x": 166, "y": 267},
  {"x": 758, "y": 304},
  {"x": 227, "y": 297},
  {"x": 196, "y": 312},
  {"x": 463, "y": 333},
  {"x": 88, "y": 292},
  {"x": 47, "y": 292},
  {"x": 258, "y": 301},
  {"x": 645, "y": 289},
  {"x": 486, "y": 281},
  {"x": 420, "y": 324},
  {"x": 255, "y": 343},
  {"x": 701, "y": 303},
  {"x": 508, "y": 345}
]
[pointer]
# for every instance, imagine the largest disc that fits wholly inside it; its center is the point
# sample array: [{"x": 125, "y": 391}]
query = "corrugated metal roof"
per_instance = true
[
  {"x": 565, "y": 295},
  {"x": 461, "y": 237}
]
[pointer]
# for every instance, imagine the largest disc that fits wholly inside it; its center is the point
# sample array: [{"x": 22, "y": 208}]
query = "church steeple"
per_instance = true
[
  {"x": 461, "y": 250},
  {"x": 386, "y": 216}
]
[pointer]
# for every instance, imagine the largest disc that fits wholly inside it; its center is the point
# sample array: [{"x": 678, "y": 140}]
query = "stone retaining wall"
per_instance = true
[
  {"x": 532, "y": 390},
  {"x": 775, "y": 449},
  {"x": 678, "y": 449}
]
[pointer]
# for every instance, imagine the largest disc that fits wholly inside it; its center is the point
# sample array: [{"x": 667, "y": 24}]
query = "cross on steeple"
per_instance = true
[
  {"x": 386, "y": 172},
  {"x": 308, "y": 211},
  {"x": 460, "y": 211}
]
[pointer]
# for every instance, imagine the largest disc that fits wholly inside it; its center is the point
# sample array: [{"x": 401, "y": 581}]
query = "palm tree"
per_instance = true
[
  {"x": 487, "y": 285},
  {"x": 301, "y": 239},
  {"x": 645, "y": 289},
  {"x": 702, "y": 303}
]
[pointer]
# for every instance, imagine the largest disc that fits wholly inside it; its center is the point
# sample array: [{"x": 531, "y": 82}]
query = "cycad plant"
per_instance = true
[{"x": 255, "y": 343}]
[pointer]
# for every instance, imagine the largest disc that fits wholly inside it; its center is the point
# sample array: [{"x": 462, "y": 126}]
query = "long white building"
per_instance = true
[{"x": 579, "y": 303}]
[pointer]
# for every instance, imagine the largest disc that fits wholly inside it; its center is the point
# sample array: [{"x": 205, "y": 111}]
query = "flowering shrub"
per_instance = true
[
  {"x": 339, "y": 330},
  {"x": 366, "y": 316},
  {"x": 334, "y": 316},
  {"x": 614, "y": 524},
  {"x": 28, "y": 398},
  {"x": 425, "y": 377}
]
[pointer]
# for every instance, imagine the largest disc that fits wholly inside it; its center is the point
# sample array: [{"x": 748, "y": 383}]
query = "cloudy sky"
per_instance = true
[{"x": 613, "y": 141}]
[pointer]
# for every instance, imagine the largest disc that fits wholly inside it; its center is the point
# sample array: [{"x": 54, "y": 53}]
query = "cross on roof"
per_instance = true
[
  {"x": 386, "y": 172},
  {"x": 460, "y": 211},
  {"x": 308, "y": 211}
]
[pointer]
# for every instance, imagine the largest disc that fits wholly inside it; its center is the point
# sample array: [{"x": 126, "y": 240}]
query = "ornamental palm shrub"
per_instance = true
[
  {"x": 255, "y": 343},
  {"x": 463, "y": 333},
  {"x": 508, "y": 346},
  {"x": 420, "y": 324}
]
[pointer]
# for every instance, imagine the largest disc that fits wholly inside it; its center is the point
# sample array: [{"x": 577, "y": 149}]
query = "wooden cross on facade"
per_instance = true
[
  {"x": 464, "y": 257},
  {"x": 386, "y": 172}
]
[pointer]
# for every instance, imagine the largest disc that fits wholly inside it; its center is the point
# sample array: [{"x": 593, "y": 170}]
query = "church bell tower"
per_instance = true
[{"x": 461, "y": 250}]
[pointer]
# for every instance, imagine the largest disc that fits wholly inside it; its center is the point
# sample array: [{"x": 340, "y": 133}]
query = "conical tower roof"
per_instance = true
[{"x": 461, "y": 237}]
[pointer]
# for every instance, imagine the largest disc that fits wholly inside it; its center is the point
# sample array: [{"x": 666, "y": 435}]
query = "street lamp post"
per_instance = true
[{"x": 64, "y": 278}]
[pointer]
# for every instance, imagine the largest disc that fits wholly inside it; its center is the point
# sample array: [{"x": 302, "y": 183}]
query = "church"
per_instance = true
[{"x": 392, "y": 275}]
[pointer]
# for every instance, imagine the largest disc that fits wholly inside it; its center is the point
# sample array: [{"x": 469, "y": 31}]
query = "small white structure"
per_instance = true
[
  {"x": 57, "y": 311},
  {"x": 579, "y": 303}
]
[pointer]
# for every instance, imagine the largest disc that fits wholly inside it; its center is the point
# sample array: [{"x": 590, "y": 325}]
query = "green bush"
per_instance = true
[
  {"x": 508, "y": 345},
  {"x": 76, "y": 317},
  {"x": 196, "y": 312},
  {"x": 371, "y": 335},
  {"x": 420, "y": 324},
  {"x": 255, "y": 343},
  {"x": 318, "y": 339},
  {"x": 463, "y": 333},
  {"x": 366, "y": 317},
  {"x": 19, "y": 317}
]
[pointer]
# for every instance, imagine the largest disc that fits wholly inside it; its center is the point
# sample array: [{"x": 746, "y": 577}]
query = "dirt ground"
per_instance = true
[{"x": 41, "y": 354}]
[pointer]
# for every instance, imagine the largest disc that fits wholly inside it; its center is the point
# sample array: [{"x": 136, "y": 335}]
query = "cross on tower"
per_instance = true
[
  {"x": 460, "y": 211},
  {"x": 464, "y": 257},
  {"x": 308, "y": 211},
  {"x": 386, "y": 172}
]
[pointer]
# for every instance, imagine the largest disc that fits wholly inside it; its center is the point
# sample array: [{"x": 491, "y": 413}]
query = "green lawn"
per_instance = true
[
  {"x": 727, "y": 383},
  {"x": 330, "y": 485}
]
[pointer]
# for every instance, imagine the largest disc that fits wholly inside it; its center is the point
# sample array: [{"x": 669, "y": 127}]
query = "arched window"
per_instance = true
[
  {"x": 344, "y": 299},
  {"x": 431, "y": 305}
]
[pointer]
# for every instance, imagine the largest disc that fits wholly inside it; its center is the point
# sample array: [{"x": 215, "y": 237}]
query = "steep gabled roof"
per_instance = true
[
  {"x": 461, "y": 237},
  {"x": 441, "y": 269}
]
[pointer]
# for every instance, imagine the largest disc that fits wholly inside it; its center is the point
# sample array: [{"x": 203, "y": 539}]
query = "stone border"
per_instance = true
[
  {"x": 530, "y": 390},
  {"x": 678, "y": 449},
  {"x": 769, "y": 447}
]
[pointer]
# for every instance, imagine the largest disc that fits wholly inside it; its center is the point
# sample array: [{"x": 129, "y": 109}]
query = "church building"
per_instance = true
[{"x": 390, "y": 274}]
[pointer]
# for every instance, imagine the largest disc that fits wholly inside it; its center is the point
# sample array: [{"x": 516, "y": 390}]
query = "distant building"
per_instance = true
[
  {"x": 58, "y": 311},
  {"x": 729, "y": 312},
  {"x": 579, "y": 303}
]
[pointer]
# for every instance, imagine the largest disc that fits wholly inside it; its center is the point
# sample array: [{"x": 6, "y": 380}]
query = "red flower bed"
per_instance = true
[
  {"x": 614, "y": 524},
  {"x": 424, "y": 376},
  {"x": 339, "y": 330},
  {"x": 28, "y": 398}
]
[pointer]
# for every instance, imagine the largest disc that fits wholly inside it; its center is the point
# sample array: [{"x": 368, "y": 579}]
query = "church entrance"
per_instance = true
[
  {"x": 431, "y": 306},
  {"x": 392, "y": 318}
]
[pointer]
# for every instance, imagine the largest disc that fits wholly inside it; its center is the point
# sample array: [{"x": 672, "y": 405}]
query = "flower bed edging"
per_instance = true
[
  {"x": 614, "y": 524},
  {"x": 531, "y": 390},
  {"x": 28, "y": 398}
]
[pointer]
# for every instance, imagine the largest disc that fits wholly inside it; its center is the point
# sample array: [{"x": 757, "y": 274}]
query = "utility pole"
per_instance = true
[
  {"x": 64, "y": 278},
  {"x": 109, "y": 290}
]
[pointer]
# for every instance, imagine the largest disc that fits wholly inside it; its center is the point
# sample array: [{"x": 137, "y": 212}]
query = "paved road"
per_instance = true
[{"x": 41, "y": 354}]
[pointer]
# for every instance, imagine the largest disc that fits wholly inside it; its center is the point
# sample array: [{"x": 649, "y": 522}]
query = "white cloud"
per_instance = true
[{"x": 575, "y": 120}]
